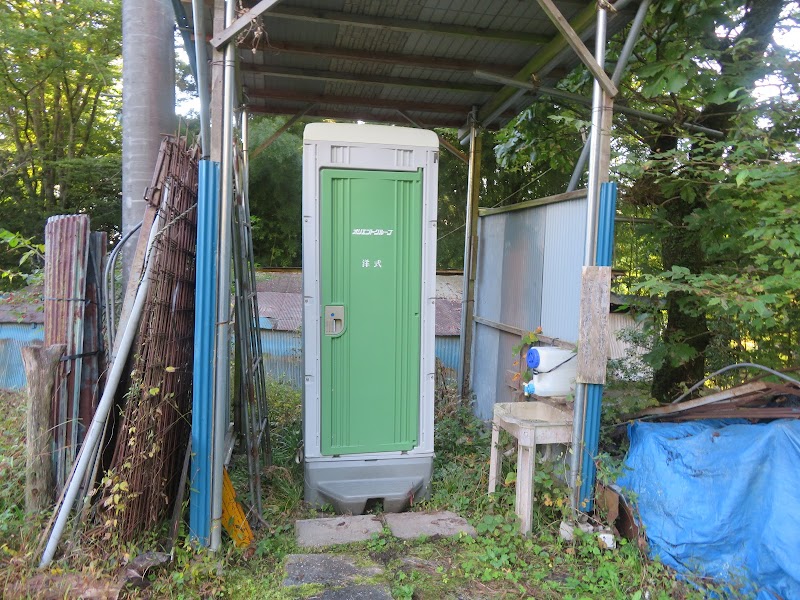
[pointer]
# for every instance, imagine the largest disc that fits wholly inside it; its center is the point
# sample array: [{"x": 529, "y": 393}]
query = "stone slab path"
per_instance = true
[
  {"x": 345, "y": 577},
  {"x": 321, "y": 533}
]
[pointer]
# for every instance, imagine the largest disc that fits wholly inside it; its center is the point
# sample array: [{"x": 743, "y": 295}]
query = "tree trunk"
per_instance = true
[
  {"x": 40, "y": 368},
  {"x": 683, "y": 247}
]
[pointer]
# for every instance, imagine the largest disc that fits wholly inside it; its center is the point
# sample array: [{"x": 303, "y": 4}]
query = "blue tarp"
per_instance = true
[{"x": 720, "y": 499}]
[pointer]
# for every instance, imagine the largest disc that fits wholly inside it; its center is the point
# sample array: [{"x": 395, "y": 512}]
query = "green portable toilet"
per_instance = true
[{"x": 369, "y": 287}]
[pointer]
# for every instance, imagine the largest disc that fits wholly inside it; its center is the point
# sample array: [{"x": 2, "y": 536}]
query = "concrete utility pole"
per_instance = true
[{"x": 148, "y": 102}]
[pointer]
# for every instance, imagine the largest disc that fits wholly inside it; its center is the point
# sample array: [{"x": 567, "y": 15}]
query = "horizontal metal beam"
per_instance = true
[
  {"x": 363, "y": 101},
  {"x": 366, "y": 78},
  {"x": 572, "y": 38},
  {"x": 390, "y": 58},
  {"x": 347, "y": 115},
  {"x": 239, "y": 24},
  {"x": 618, "y": 107},
  {"x": 405, "y": 25},
  {"x": 574, "y": 195}
]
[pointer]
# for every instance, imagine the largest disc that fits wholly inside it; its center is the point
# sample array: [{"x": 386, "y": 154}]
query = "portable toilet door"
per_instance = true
[{"x": 369, "y": 279}]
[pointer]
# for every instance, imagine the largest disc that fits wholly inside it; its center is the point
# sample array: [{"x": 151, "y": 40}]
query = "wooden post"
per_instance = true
[
  {"x": 593, "y": 325},
  {"x": 470, "y": 259},
  {"x": 40, "y": 369}
]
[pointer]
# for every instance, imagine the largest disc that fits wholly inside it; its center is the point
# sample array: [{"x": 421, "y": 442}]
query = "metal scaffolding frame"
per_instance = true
[{"x": 495, "y": 90}]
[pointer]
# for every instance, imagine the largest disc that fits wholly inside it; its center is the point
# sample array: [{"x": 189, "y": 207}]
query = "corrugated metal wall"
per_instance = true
[
  {"x": 13, "y": 337},
  {"x": 529, "y": 275},
  {"x": 283, "y": 354}
]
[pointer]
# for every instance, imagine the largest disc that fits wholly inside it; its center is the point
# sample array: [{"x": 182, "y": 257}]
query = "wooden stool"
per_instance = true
[{"x": 530, "y": 423}]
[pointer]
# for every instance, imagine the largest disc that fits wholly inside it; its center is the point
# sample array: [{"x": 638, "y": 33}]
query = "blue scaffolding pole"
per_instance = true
[
  {"x": 203, "y": 380},
  {"x": 594, "y": 391}
]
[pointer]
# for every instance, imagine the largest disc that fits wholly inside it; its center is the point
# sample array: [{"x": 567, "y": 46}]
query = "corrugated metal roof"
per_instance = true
[
  {"x": 448, "y": 317},
  {"x": 284, "y": 310},
  {"x": 364, "y": 59}
]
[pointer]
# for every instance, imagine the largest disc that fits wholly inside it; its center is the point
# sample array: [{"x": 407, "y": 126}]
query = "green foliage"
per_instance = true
[
  {"x": 748, "y": 225},
  {"x": 59, "y": 104},
  {"x": 276, "y": 193},
  {"x": 712, "y": 238},
  {"x": 497, "y": 563},
  {"x": 28, "y": 267},
  {"x": 12, "y": 474},
  {"x": 506, "y": 179}
]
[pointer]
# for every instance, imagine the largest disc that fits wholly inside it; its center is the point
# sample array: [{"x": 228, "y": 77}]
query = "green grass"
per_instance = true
[{"x": 498, "y": 563}]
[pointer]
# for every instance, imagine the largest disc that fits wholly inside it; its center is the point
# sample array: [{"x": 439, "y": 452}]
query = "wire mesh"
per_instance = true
[{"x": 141, "y": 485}]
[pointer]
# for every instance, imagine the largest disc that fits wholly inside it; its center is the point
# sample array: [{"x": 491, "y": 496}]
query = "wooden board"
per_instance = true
[
  {"x": 593, "y": 325},
  {"x": 742, "y": 390}
]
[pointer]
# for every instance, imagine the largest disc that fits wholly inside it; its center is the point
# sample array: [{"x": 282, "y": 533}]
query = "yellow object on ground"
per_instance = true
[{"x": 233, "y": 519}]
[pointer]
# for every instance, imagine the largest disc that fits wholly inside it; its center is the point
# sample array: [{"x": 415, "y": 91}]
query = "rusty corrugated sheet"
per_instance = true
[
  {"x": 94, "y": 364},
  {"x": 281, "y": 281},
  {"x": 66, "y": 255}
]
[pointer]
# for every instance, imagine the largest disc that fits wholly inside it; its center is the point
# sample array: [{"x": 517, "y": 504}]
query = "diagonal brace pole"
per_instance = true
[
  {"x": 563, "y": 26},
  {"x": 281, "y": 130},
  {"x": 224, "y": 36},
  {"x": 442, "y": 140}
]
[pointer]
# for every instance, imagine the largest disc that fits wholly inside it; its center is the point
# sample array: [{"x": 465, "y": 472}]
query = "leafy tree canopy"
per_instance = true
[
  {"x": 59, "y": 106},
  {"x": 716, "y": 229}
]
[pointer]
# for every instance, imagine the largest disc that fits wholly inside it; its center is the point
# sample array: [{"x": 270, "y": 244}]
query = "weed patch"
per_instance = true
[{"x": 497, "y": 563}]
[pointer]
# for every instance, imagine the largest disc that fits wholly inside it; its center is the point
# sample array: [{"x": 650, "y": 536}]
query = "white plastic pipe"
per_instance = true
[{"x": 94, "y": 435}]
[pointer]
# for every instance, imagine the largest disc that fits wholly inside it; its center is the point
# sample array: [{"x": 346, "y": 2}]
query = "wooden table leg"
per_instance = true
[
  {"x": 496, "y": 459},
  {"x": 526, "y": 456}
]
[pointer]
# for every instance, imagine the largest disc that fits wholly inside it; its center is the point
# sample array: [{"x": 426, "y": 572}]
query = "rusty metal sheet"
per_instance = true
[{"x": 66, "y": 256}]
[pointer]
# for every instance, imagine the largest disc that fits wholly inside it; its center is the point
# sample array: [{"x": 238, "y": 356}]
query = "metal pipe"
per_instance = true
[
  {"x": 183, "y": 27},
  {"x": 578, "y": 99},
  {"x": 579, "y": 166},
  {"x": 243, "y": 333},
  {"x": 104, "y": 406},
  {"x": 244, "y": 131},
  {"x": 630, "y": 42},
  {"x": 595, "y": 137},
  {"x": 111, "y": 292},
  {"x": 578, "y": 419},
  {"x": 198, "y": 16},
  {"x": 622, "y": 63},
  {"x": 222, "y": 346}
]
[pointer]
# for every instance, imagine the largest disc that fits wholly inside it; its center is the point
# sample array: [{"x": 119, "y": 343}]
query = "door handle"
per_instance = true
[{"x": 334, "y": 320}]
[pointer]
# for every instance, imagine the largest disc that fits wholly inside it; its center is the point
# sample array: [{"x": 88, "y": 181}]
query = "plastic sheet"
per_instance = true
[{"x": 720, "y": 499}]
